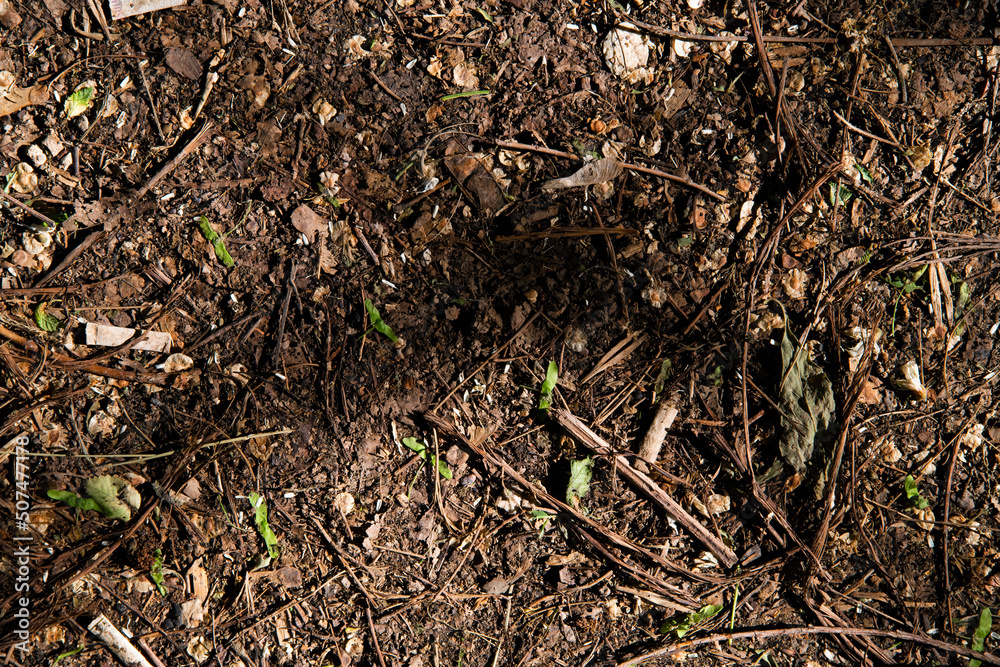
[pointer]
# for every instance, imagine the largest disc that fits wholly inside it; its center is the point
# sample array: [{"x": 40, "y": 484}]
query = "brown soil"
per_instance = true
[{"x": 839, "y": 191}]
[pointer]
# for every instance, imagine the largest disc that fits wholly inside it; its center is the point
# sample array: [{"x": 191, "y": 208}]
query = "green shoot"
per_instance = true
[
  {"x": 580, "y": 473},
  {"x": 377, "y": 323},
  {"x": 468, "y": 93},
  {"x": 44, "y": 320},
  {"x": 982, "y": 632},
  {"x": 260, "y": 518},
  {"x": 111, "y": 496},
  {"x": 156, "y": 572},
  {"x": 839, "y": 195},
  {"x": 218, "y": 242},
  {"x": 420, "y": 449},
  {"x": 542, "y": 519},
  {"x": 913, "y": 493},
  {"x": 66, "y": 655},
  {"x": 681, "y": 624},
  {"x": 548, "y": 386}
]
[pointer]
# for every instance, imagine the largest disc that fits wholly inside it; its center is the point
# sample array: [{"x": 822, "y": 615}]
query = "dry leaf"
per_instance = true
[
  {"x": 592, "y": 173},
  {"x": 309, "y": 223}
]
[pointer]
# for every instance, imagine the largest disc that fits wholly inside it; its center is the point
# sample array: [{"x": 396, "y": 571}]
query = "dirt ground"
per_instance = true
[{"x": 420, "y": 278}]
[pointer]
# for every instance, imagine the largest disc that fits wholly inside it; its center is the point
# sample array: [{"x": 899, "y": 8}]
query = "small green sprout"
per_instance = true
[
  {"x": 913, "y": 493},
  {"x": 377, "y": 324},
  {"x": 156, "y": 572},
  {"x": 420, "y": 449},
  {"x": 44, "y": 320},
  {"x": 260, "y": 518},
  {"x": 982, "y": 632},
  {"x": 218, "y": 242},
  {"x": 681, "y": 624},
  {"x": 580, "y": 473},
  {"x": 548, "y": 386}
]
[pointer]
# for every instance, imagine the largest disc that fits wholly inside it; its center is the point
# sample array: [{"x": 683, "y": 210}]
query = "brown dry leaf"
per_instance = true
[
  {"x": 192, "y": 613},
  {"x": 184, "y": 63},
  {"x": 476, "y": 181},
  {"x": 592, "y": 173},
  {"x": 289, "y": 577},
  {"x": 309, "y": 223},
  {"x": 198, "y": 580},
  {"x": 14, "y": 98}
]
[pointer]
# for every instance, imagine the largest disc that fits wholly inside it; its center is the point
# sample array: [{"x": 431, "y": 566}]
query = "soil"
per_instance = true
[{"x": 407, "y": 372}]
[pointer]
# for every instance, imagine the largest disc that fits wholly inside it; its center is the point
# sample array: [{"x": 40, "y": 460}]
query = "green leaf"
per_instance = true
[
  {"x": 420, "y": 449},
  {"x": 218, "y": 242},
  {"x": 260, "y": 518},
  {"x": 156, "y": 572},
  {"x": 865, "y": 174},
  {"x": 79, "y": 101},
  {"x": 839, "y": 195},
  {"x": 548, "y": 386},
  {"x": 73, "y": 500},
  {"x": 684, "y": 241},
  {"x": 681, "y": 624},
  {"x": 44, "y": 320},
  {"x": 806, "y": 400},
  {"x": 982, "y": 632},
  {"x": 913, "y": 493},
  {"x": 111, "y": 496},
  {"x": 580, "y": 473},
  {"x": 377, "y": 323},
  {"x": 661, "y": 379},
  {"x": 116, "y": 497},
  {"x": 66, "y": 655},
  {"x": 484, "y": 14}
]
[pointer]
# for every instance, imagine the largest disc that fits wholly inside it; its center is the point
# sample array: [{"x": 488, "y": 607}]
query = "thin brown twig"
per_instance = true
[
  {"x": 197, "y": 140},
  {"x": 805, "y": 631},
  {"x": 897, "y": 42},
  {"x": 52, "y": 224},
  {"x": 946, "y": 533}
]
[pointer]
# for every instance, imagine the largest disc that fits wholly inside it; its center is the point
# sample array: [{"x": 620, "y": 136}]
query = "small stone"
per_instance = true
[
  {"x": 52, "y": 144},
  {"x": 36, "y": 155}
]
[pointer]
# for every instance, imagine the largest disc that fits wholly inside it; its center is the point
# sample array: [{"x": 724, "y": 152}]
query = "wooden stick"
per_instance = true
[
  {"x": 649, "y": 451},
  {"x": 117, "y": 643}
]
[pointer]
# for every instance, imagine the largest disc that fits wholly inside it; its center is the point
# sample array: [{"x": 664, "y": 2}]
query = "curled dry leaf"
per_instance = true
[
  {"x": 323, "y": 110},
  {"x": 592, "y": 173},
  {"x": 309, "y": 223},
  {"x": 176, "y": 363},
  {"x": 465, "y": 76},
  {"x": 200, "y": 648},
  {"x": 25, "y": 179},
  {"x": 910, "y": 380}
]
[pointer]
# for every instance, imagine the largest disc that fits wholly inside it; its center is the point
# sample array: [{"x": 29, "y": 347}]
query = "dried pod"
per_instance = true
[
  {"x": 599, "y": 171},
  {"x": 323, "y": 110},
  {"x": 911, "y": 380}
]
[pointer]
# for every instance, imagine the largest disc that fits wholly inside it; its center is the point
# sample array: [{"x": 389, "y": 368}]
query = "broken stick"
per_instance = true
[{"x": 649, "y": 451}]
